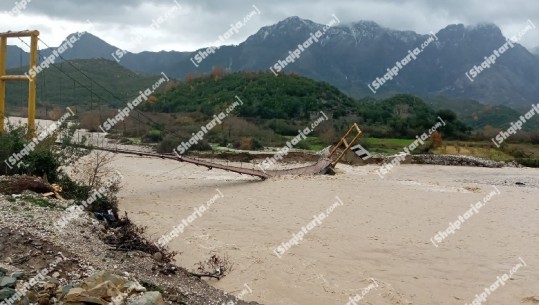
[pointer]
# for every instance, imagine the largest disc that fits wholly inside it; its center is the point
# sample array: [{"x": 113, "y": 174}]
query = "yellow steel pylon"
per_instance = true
[
  {"x": 344, "y": 142},
  {"x": 30, "y": 77}
]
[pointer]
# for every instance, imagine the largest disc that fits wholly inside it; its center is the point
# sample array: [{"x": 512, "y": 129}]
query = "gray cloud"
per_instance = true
[{"x": 198, "y": 23}]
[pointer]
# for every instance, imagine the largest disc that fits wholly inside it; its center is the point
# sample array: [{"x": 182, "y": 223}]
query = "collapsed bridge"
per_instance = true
[{"x": 322, "y": 166}]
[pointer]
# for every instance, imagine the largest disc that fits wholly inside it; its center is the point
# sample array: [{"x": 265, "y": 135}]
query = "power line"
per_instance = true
[
  {"x": 101, "y": 86},
  {"x": 89, "y": 89},
  {"x": 83, "y": 73}
]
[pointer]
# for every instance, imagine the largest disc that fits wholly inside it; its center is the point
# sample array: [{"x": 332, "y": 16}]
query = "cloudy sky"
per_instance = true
[{"x": 186, "y": 25}]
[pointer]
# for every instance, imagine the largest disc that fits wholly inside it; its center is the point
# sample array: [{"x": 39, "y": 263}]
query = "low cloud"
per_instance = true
[{"x": 200, "y": 22}]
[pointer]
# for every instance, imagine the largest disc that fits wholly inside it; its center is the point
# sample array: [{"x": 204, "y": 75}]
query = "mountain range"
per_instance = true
[{"x": 351, "y": 57}]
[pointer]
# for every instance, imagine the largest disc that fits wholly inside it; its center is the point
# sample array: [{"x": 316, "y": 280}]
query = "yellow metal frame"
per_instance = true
[
  {"x": 31, "y": 77},
  {"x": 344, "y": 142}
]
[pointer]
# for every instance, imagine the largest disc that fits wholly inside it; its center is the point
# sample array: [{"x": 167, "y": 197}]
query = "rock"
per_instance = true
[
  {"x": 62, "y": 291},
  {"x": 158, "y": 256},
  {"x": 50, "y": 286},
  {"x": 105, "y": 290},
  {"x": 23, "y": 301},
  {"x": 150, "y": 298},
  {"x": 52, "y": 280},
  {"x": 32, "y": 297},
  {"x": 43, "y": 294},
  {"x": 6, "y": 293},
  {"x": 102, "y": 229},
  {"x": 43, "y": 301},
  {"x": 56, "y": 275},
  {"x": 3, "y": 271},
  {"x": 73, "y": 295},
  {"x": 100, "y": 288},
  {"x": 93, "y": 300},
  {"x": 17, "y": 275},
  {"x": 7, "y": 281},
  {"x": 132, "y": 287},
  {"x": 452, "y": 160},
  {"x": 101, "y": 277}
]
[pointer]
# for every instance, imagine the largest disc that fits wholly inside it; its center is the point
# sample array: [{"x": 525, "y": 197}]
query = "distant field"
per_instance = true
[
  {"x": 527, "y": 154},
  {"x": 385, "y": 146},
  {"x": 468, "y": 150},
  {"x": 485, "y": 150}
]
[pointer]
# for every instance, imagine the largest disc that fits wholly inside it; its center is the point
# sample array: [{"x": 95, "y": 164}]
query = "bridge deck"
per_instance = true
[{"x": 319, "y": 167}]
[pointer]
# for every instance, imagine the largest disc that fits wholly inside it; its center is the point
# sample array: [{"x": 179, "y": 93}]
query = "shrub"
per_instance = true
[
  {"x": 529, "y": 162},
  {"x": 11, "y": 142},
  {"x": 153, "y": 136},
  {"x": 167, "y": 145},
  {"x": 171, "y": 142},
  {"x": 47, "y": 158},
  {"x": 42, "y": 162},
  {"x": 304, "y": 145}
]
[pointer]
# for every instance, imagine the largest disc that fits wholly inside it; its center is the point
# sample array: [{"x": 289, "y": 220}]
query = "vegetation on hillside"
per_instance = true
[
  {"x": 480, "y": 116},
  {"x": 56, "y": 88},
  {"x": 273, "y": 110},
  {"x": 265, "y": 96},
  {"x": 405, "y": 116},
  {"x": 277, "y": 107}
]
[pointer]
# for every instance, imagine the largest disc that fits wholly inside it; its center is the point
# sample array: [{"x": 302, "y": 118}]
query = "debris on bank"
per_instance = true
[{"x": 75, "y": 265}]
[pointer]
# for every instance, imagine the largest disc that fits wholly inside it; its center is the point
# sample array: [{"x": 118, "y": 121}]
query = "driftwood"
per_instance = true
[
  {"x": 130, "y": 237},
  {"x": 207, "y": 275},
  {"x": 214, "y": 267},
  {"x": 19, "y": 184}
]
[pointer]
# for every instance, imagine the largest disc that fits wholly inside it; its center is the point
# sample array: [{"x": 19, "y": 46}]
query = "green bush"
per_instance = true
[
  {"x": 171, "y": 142},
  {"x": 529, "y": 162},
  {"x": 303, "y": 145},
  {"x": 11, "y": 142},
  {"x": 256, "y": 144},
  {"x": 153, "y": 136},
  {"x": 47, "y": 159},
  {"x": 167, "y": 145},
  {"x": 79, "y": 193},
  {"x": 43, "y": 162}
]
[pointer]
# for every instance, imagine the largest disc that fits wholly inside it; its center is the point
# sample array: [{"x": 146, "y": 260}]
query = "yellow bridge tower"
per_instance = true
[{"x": 31, "y": 77}]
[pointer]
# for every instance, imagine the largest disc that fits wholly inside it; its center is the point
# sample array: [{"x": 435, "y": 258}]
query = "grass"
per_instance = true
[
  {"x": 393, "y": 142},
  {"x": 315, "y": 144},
  {"x": 524, "y": 153},
  {"x": 530, "y": 150},
  {"x": 136, "y": 140},
  {"x": 385, "y": 146},
  {"x": 481, "y": 152},
  {"x": 38, "y": 201},
  {"x": 473, "y": 148},
  {"x": 486, "y": 150}
]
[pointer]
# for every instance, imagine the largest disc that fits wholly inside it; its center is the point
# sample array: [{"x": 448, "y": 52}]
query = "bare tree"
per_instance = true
[{"x": 94, "y": 169}]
